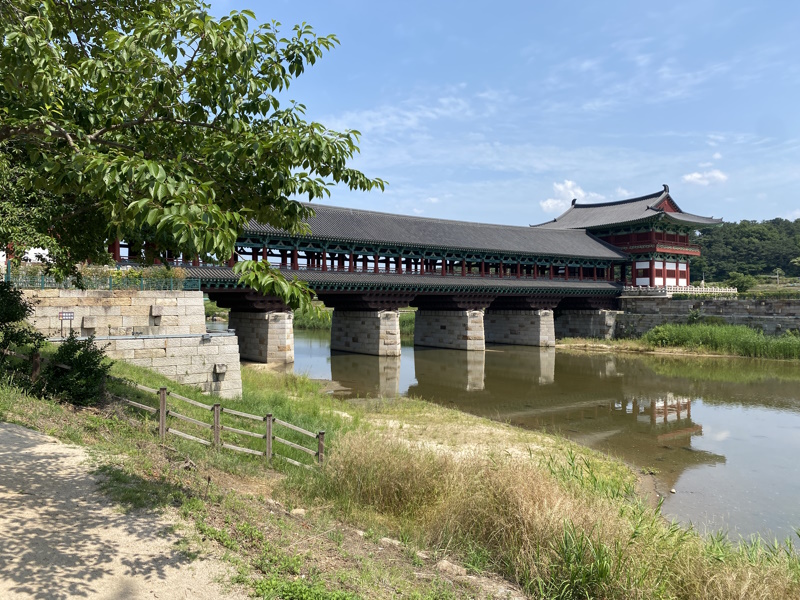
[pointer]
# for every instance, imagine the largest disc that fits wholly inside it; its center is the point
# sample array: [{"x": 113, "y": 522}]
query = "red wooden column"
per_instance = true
[
  {"x": 535, "y": 270},
  {"x": 483, "y": 268},
  {"x": 463, "y": 268},
  {"x": 688, "y": 278},
  {"x": 500, "y": 268},
  {"x": 265, "y": 255},
  {"x": 580, "y": 272},
  {"x": 295, "y": 260},
  {"x": 595, "y": 273},
  {"x": 376, "y": 266},
  {"x": 364, "y": 262},
  {"x": 566, "y": 272},
  {"x": 652, "y": 273},
  {"x": 444, "y": 267},
  {"x": 254, "y": 255},
  {"x": 113, "y": 249},
  {"x": 552, "y": 268},
  {"x": 400, "y": 264},
  {"x": 422, "y": 266},
  {"x": 519, "y": 270},
  {"x": 324, "y": 256},
  {"x": 352, "y": 264}
]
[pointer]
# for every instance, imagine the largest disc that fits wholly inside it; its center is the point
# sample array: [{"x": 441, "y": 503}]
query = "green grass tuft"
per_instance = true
[{"x": 737, "y": 340}]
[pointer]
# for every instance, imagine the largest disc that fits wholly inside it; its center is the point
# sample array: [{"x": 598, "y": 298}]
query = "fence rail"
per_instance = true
[
  {"x": 43, "y": 282},
  {"x": 669, "y": 290},
  {"x": 217, "y": 428}
]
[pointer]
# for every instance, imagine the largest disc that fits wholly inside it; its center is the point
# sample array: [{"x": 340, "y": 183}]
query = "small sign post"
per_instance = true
[{"x": 65, "y": 315}]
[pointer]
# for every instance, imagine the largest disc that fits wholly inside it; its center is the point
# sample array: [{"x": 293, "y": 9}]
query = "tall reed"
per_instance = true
[
  {"x": 728, "y": 339},
  {"x": 551, "y": 529}
]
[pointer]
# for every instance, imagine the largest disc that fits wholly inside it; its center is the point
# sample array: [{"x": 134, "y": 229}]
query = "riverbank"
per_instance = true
[
  {"x": 557, "y": 518},
  {"x": 701, "y": 339}
]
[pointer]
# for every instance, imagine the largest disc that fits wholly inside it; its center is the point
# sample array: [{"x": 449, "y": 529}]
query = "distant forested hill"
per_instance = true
[{"x": 750, "y": 247}]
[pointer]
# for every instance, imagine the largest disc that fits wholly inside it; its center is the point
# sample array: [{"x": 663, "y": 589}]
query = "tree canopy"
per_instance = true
[
  {"x": 153, "y": 120},
  {"x": 748, "y": 247}
]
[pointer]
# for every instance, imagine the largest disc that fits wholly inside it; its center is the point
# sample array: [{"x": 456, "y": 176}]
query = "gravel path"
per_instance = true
[{"x": 61, "y": 538}]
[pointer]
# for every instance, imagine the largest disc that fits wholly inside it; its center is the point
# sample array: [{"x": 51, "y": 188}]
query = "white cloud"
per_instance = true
[
  {"x": 795, "y": 214},
  {"x": 417, "y": 211},
  {"x": 706, "y": 177},
  {"x": 716, "y": 156},
  {"x": 720, "y": 436},
  {"x": 432, "y": 200},
  {"x": 705, "y": 165},
  {"x": 622, "y": 192},
  {"x": 565, "y": 193}
]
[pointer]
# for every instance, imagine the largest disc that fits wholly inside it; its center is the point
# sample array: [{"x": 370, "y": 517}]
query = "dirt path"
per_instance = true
[{"x": 61, "y": 538}]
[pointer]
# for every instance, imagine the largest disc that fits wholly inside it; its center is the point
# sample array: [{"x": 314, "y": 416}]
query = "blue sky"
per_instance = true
[{"x": 504, "y": 111}]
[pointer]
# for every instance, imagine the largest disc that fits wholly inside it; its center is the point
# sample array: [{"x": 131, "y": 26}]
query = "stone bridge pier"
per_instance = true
[
  {"x": 367, "y": 323},
  {"x": 263, "y": 324},
  {"x": 586, "y": 317},
  {"x": 454, "y": 322},
  {"x": 521, "y": 321}
]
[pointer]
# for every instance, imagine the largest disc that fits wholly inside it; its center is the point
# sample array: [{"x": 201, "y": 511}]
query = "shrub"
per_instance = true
[
  {"x": 741, "y": 281},
  {"x": 83, "y": 383},
  {"x": 14, "y": 332},
  {"x": 312, "y": 318}
]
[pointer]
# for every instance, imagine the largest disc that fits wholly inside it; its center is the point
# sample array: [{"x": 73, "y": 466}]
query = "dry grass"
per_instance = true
[{"x": 555, "y": 526}]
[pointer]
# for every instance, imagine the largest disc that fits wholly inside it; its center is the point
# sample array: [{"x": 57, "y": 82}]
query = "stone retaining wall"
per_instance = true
[
  {"x": 162, "y": 330},
  {"x": 119, "y": 312},
  {"x": 209, "y": 361},
  {"x": 640, "y": 314}
]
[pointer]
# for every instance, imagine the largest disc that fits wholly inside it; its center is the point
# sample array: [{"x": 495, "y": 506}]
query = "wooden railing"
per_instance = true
[
  {"x": 217, "y": 427},
  {"x": 669, "y": 290}
]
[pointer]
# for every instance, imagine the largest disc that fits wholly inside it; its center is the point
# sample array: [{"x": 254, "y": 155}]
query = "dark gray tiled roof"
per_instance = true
[
  {"x": 588, "y": 216},
  {"x": 425, "y": 283},
  {"x": 351, "y": 225}
]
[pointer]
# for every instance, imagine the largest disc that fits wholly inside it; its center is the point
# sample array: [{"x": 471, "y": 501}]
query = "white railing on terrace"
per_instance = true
[{"x": 670, "y": 290}]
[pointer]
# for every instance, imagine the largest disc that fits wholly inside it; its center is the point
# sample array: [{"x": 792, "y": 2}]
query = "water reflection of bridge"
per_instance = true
[{"x": 597, "y": 400}]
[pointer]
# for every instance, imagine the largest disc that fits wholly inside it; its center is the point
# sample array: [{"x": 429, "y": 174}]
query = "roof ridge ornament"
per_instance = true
[
  {"x": 666, "y": 188},
  {"x": 574, "y": 200}
]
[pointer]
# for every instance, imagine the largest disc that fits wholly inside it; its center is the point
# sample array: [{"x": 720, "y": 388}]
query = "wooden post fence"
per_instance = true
[
  {"x": 268, "y": 453},
  {"x": 216, "y": 427},
  {"x": 162, "y": 413}
]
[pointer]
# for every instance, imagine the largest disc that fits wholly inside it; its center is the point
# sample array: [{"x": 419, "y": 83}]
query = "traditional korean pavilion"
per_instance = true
[{"x": 652, "y": 229}]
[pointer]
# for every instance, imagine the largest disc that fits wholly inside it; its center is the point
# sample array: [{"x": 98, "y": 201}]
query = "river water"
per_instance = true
[{"x": 724, "y": 433}]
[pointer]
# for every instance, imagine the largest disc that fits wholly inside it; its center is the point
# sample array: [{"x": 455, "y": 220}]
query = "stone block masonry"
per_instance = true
[
  {"x": 366, "y": 332},
  {"x": 266, "y": 337},
  {"x": 456, "y": 329},
  {"x": 118, "y": 313},
  {"x": 161, "y": 330},
  {"x": 596, "y": 324},
  {"x": 773, "y": 317},
  {"x": 520, "y": 327},
  {"x": 209, "y": 362}
]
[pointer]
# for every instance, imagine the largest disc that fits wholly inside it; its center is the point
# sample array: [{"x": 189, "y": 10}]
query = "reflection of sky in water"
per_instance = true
[
  {"x": 758, "y": 487},
  {"x": 731, "y": 450}
]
